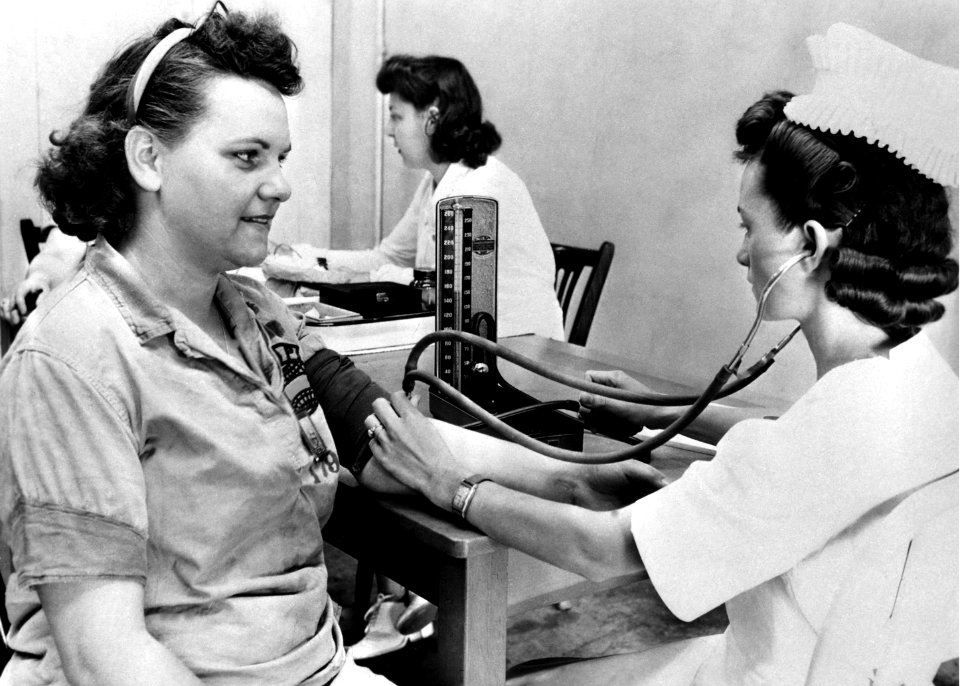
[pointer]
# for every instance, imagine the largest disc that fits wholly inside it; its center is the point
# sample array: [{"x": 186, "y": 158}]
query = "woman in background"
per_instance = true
[
  {"x": 790, "y": 507},
  {"x": 57, "y": 261},
  {"x": 436, "y": 123}
]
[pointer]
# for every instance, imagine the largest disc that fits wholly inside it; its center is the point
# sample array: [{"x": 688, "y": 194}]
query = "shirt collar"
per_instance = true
[{"x": 146, "y": 315}]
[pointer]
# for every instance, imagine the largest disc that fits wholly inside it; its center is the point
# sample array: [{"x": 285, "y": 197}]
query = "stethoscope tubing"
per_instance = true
[
  {"x": 717, "y": 388},
  {"x": 657, "y": 399},
  {"x": 636, "y": 452}
]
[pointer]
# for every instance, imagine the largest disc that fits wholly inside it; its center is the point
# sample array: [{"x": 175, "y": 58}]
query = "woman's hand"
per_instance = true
[
  {"x": 609, "y": 486},
  {"x": 617, "y": 417},
  {"x": 378, "y": 479},
  {"x": 411, "y": 449},
  {"x": 15, "y": 308}
]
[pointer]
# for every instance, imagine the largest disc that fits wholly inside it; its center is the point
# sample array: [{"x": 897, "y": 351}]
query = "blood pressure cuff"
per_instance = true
[{"x": 346, "y": 395}]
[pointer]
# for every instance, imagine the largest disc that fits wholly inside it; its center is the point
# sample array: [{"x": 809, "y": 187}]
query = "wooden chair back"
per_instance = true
[{"x": 571, "y": 263}]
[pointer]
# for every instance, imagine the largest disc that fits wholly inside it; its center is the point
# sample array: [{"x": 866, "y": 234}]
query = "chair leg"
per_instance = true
[{"x": 363, "y": 587}]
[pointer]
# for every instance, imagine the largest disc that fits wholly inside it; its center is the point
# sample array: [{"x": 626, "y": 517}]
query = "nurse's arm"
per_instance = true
[
  {"x": 526, "y": 504},
  {"x": 619, "y": 418},
  {"x": 100, "y": 633},
  {"x": 597, "y": 487},
  {"x": 595, "y": 544},
  {"x": 716, "y": 420}
]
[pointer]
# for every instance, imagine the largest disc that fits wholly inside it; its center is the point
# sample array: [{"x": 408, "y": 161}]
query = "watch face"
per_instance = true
[{"x": 460, "y": 497}]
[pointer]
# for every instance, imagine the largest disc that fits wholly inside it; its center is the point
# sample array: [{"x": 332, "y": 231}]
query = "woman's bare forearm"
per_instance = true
[
  {"x": 59, "y": 259},
  {"x": 509, "y": 464},
  {"x": 131, "y": 659},
  {"x": 717, "y": 419},
  {"x": 100, "y": 633}
]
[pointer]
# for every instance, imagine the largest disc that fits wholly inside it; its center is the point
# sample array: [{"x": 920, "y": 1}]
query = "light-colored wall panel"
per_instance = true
[
  {"x": 306, "y": 216},
  {"x": 619, "y": 116},
  {"x": 18, "y": 108},
  {"x": 355, "y": 182}
]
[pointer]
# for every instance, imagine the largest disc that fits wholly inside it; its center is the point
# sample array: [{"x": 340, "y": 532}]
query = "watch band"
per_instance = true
[{"x": 465, "y": 493}]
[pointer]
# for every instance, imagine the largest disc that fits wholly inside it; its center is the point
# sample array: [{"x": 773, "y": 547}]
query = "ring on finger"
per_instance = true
[{"x": 372, "y": 431}]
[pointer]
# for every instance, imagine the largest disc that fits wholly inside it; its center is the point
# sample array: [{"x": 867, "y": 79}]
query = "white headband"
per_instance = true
[
  {"x": 139, "y": 82},
  {"x": 872, "y": 89}
]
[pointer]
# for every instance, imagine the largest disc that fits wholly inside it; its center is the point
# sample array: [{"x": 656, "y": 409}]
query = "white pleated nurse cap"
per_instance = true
[{"x": 872, "y": 89}]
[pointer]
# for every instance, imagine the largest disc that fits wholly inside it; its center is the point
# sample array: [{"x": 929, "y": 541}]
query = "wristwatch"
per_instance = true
[{"x": 464, "y": 494}]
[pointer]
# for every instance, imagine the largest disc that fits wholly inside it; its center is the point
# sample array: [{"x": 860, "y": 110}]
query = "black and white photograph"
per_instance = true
[{"x": 479, "y": 343}]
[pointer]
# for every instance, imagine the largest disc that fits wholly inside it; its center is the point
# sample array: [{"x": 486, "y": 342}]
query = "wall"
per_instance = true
[
  {"x": 355, "y": 218},
  {"x": 619, "y": 115},
  {"x": 51, "y": 51}
]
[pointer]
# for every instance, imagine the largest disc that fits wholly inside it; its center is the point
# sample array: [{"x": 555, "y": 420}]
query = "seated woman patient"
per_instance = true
[
  {"x": 165, "y": 470},
  {"x": 436, "y": 123},
  {"x": 773, "y": 524}
]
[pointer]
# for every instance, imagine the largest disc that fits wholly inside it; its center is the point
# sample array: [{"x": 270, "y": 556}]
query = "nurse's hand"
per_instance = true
[
  {"x": 612, "y": 486},
  {"x": 411, "y": 449},
  {"x": 377, "y": 479},
  {"x": 617, "y": 417}
]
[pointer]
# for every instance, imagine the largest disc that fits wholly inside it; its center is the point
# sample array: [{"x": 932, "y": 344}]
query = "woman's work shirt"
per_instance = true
[
  {"x": 773, "y": 522},
  {"x": 132, "y": 446},
  {"x": 526, "y": 299}
]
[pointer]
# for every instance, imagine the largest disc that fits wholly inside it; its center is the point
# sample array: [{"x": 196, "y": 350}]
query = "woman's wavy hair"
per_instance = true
[
  {"x": 893, "y": 257},
  {"x": 461, "y": 133},
  {"x": 83, "y": 179}
]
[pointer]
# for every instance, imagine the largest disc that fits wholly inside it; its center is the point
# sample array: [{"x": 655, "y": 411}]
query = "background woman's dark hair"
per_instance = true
[
  {"x": 83, "y": 179},
  {"x": 461, "y": 133},
  {"x": 893, "y": 258}
]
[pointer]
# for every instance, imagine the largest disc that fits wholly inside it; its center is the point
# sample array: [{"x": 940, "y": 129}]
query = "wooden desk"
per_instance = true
[{"x": 474, "y": 581}]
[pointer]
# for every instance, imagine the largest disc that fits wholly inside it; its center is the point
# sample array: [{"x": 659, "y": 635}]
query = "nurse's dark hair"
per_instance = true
[
  {"x": 83, "y": 179},
  {"x": 893, "y": 257},
  {"x": 461, "y": 133}
]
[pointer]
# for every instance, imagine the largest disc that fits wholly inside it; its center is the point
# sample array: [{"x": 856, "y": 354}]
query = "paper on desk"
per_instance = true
[
  {"x": 254, "y": 273},
  {"x": 317, "y": 312},
  {"x": 682, "y": 442}
]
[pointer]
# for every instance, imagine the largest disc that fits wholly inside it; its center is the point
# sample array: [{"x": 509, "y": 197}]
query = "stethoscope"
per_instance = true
[{"x": 718, "y": 388}]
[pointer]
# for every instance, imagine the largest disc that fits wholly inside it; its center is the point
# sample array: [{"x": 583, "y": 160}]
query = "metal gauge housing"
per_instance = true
[
  {"x": 467, "y": 247},
  {"x": 466, "y": 288}
]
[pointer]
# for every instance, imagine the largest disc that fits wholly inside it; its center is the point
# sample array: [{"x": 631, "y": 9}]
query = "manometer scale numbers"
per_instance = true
[{"x": 456, "y": 304}]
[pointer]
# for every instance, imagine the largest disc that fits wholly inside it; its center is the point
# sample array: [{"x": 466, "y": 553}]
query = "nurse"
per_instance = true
[
  {"x": 784, "y": 511},
  {"x": 436, "y": 124}
]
